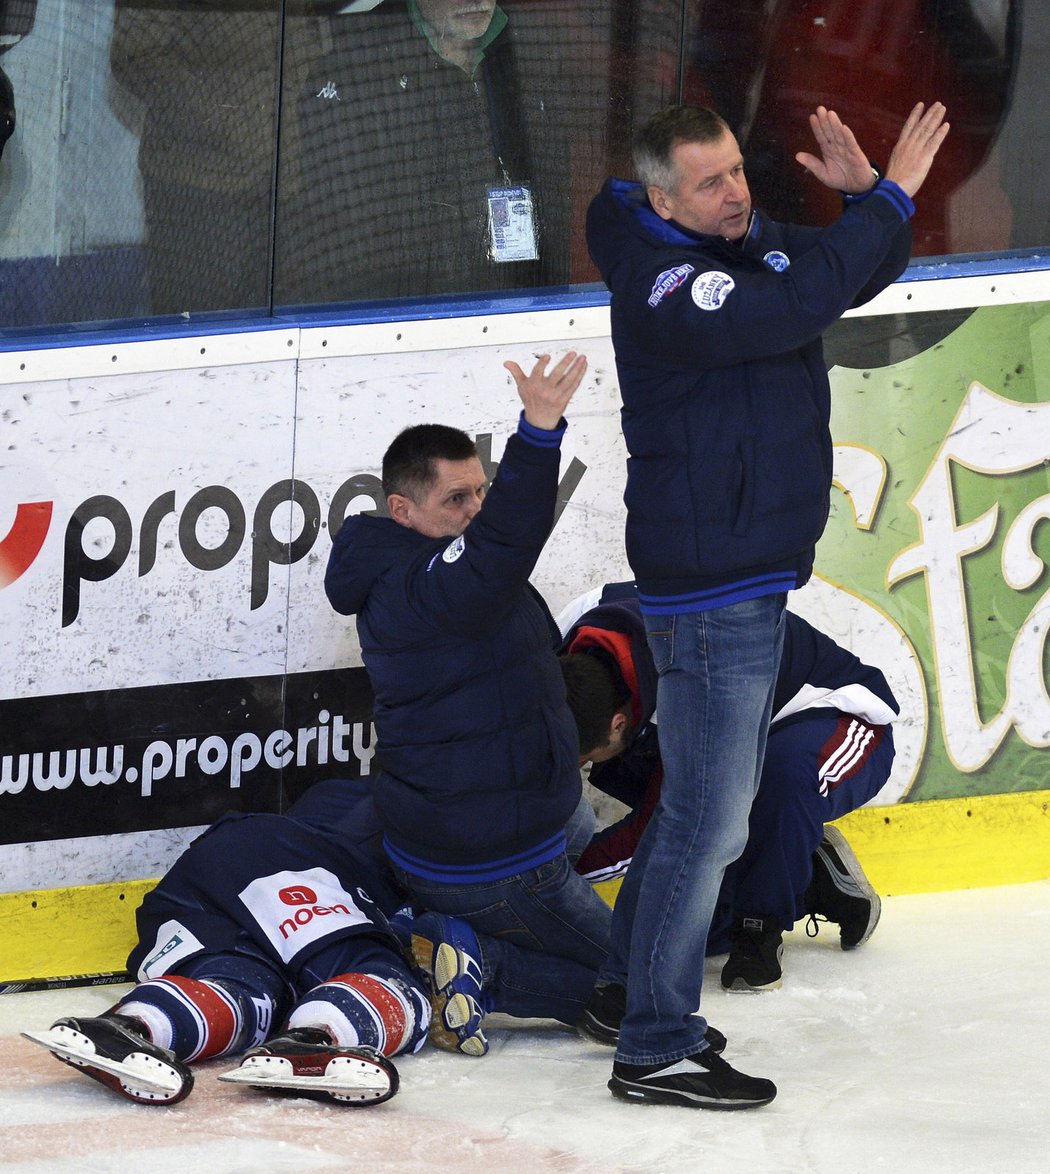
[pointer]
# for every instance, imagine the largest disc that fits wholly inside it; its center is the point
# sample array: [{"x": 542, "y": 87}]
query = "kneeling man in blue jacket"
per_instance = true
[{"x": 478, "y": 784}]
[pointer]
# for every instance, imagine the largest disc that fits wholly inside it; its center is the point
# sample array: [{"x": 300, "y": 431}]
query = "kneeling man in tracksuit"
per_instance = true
[{"x": 829, "y": 751}]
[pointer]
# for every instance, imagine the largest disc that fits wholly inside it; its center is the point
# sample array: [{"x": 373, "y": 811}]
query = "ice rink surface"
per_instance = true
[{"x": 926, "y": 1050}]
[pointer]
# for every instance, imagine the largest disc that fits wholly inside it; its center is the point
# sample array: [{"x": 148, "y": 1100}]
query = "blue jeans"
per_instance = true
[
  {"x": 543, "y": 933},
  {"x": 717, "y": 672}
]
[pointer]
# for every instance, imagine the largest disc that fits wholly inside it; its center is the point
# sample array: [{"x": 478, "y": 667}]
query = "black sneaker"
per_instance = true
[
  {"x": 754, "y": 956},
  {"x": 305, "y": 1060},
  {"x": 600, "y": 1021},
  {"x": 840, "y": 892},
  {"x": 700, "y": 1081},
  {"x": 114, "y": 1050}
]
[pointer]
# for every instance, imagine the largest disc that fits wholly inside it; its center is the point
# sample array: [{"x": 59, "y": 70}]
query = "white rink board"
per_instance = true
[
  {"x": 150, "y": 426},
  {"x": 245, "y": 427},
  {"x": 134, "y": 438},
  {"x": 165, "y": 426}
]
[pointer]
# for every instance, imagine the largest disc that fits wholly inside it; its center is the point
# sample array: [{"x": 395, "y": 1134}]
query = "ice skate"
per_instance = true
[
  {"x": 305, "y": 1060},
  {"x": 113, "y": 1050}
]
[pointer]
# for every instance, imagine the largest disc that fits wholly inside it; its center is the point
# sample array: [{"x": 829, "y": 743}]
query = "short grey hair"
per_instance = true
[{"x": 655, "y": 142}]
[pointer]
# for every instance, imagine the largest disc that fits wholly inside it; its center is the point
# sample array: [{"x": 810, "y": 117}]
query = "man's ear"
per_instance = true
[
  {"x": 400, "y": 508},
  {"x": 619, "y": 722},
  {"x": 660, "y": 203}
]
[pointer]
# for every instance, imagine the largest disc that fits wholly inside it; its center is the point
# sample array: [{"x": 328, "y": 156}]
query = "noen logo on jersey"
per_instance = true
[
  {"x": 296, "y": 907},
  {"x": 298, "y": 895},
  {"x": 668, "y": 282},
  {"x": 777, "y": 260}
]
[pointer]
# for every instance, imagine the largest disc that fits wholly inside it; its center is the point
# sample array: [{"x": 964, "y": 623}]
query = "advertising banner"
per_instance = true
[
  {"x": 938, "y": 532},
  {"x": 170, "y": 654}
]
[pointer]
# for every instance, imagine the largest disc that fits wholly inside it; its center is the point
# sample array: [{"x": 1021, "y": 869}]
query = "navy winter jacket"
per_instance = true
[
  {"x": 477, "y": 748},
  {"x": 726, "y": 401}
]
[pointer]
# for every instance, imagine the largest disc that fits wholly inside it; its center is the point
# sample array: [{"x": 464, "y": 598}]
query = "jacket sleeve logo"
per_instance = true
[
  {"x": 454, "y": 550},
  {"x": 668, "y": 282},
  {"x": 711, "y": 289}
]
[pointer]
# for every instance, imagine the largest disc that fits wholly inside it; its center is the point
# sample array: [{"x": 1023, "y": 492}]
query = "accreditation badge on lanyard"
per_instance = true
[{"x": 512, "y": 225}]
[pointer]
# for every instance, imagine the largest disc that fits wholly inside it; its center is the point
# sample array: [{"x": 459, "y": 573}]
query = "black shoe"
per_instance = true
[
  {"x": 754, "y": 956},
  {"x": 305, "y": 1060},
  {"x": 600, "y": 1021},
  {"x": 840, "y": 892},
  {"x": 701, "y": 1081},
  {"x": 114, "y": 1050}
]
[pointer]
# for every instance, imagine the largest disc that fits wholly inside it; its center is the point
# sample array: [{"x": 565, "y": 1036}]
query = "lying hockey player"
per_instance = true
[
  {"x": 829, "y": 751},
  {"x": 264, "y": 921}
]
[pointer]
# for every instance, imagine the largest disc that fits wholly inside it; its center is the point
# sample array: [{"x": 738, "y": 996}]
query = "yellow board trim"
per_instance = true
[
  {"x": 944, "y": 844},
  {"x": 82, "y": 930},
  {"x": 927, "y": 847}
]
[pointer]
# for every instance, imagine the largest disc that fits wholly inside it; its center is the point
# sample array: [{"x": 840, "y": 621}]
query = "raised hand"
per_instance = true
[
  {"x": 546, "y": 396},
  {"x": 920, "y": 140},
  {"x": 842, "y": 164}
]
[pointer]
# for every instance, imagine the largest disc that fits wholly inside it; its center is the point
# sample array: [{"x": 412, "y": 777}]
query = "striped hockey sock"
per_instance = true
[
  {"x": 198, "y": 1018},
  {"x": 385, "y": 1013}
]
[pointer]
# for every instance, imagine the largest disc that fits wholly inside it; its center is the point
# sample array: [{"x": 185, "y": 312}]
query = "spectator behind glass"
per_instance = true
[
  {"x": 16, "y": 20},
  {"x": 413, "y": 117},
  {"x": 199, "y": 84},
  {"x": 7, "y": 110},
  {"x": 867, "y": 69}
]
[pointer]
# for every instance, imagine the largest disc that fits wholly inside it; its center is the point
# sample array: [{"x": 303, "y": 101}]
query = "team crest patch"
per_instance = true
[
  {"x": 711, "y": 289},
  {"x": 777, "y": 260},
  {"x": 668, "y": 282},
  {"x": 454, "y": 550}
]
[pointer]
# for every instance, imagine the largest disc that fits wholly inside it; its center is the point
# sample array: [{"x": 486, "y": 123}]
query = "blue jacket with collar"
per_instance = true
[
  {"x": 726, "y": 400},
  {"x": 477, "y": 748}
]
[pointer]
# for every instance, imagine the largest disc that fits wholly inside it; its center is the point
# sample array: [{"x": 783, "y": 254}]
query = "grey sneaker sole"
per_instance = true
[
  {"x": 855, "y": 884},
  {"x": 742, "y": 986}
]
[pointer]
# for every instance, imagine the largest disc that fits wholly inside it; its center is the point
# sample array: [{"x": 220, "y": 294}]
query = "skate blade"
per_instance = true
[
  {"x": 343, "y": 1074},
  {"x": 137, "y": 1071}
]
